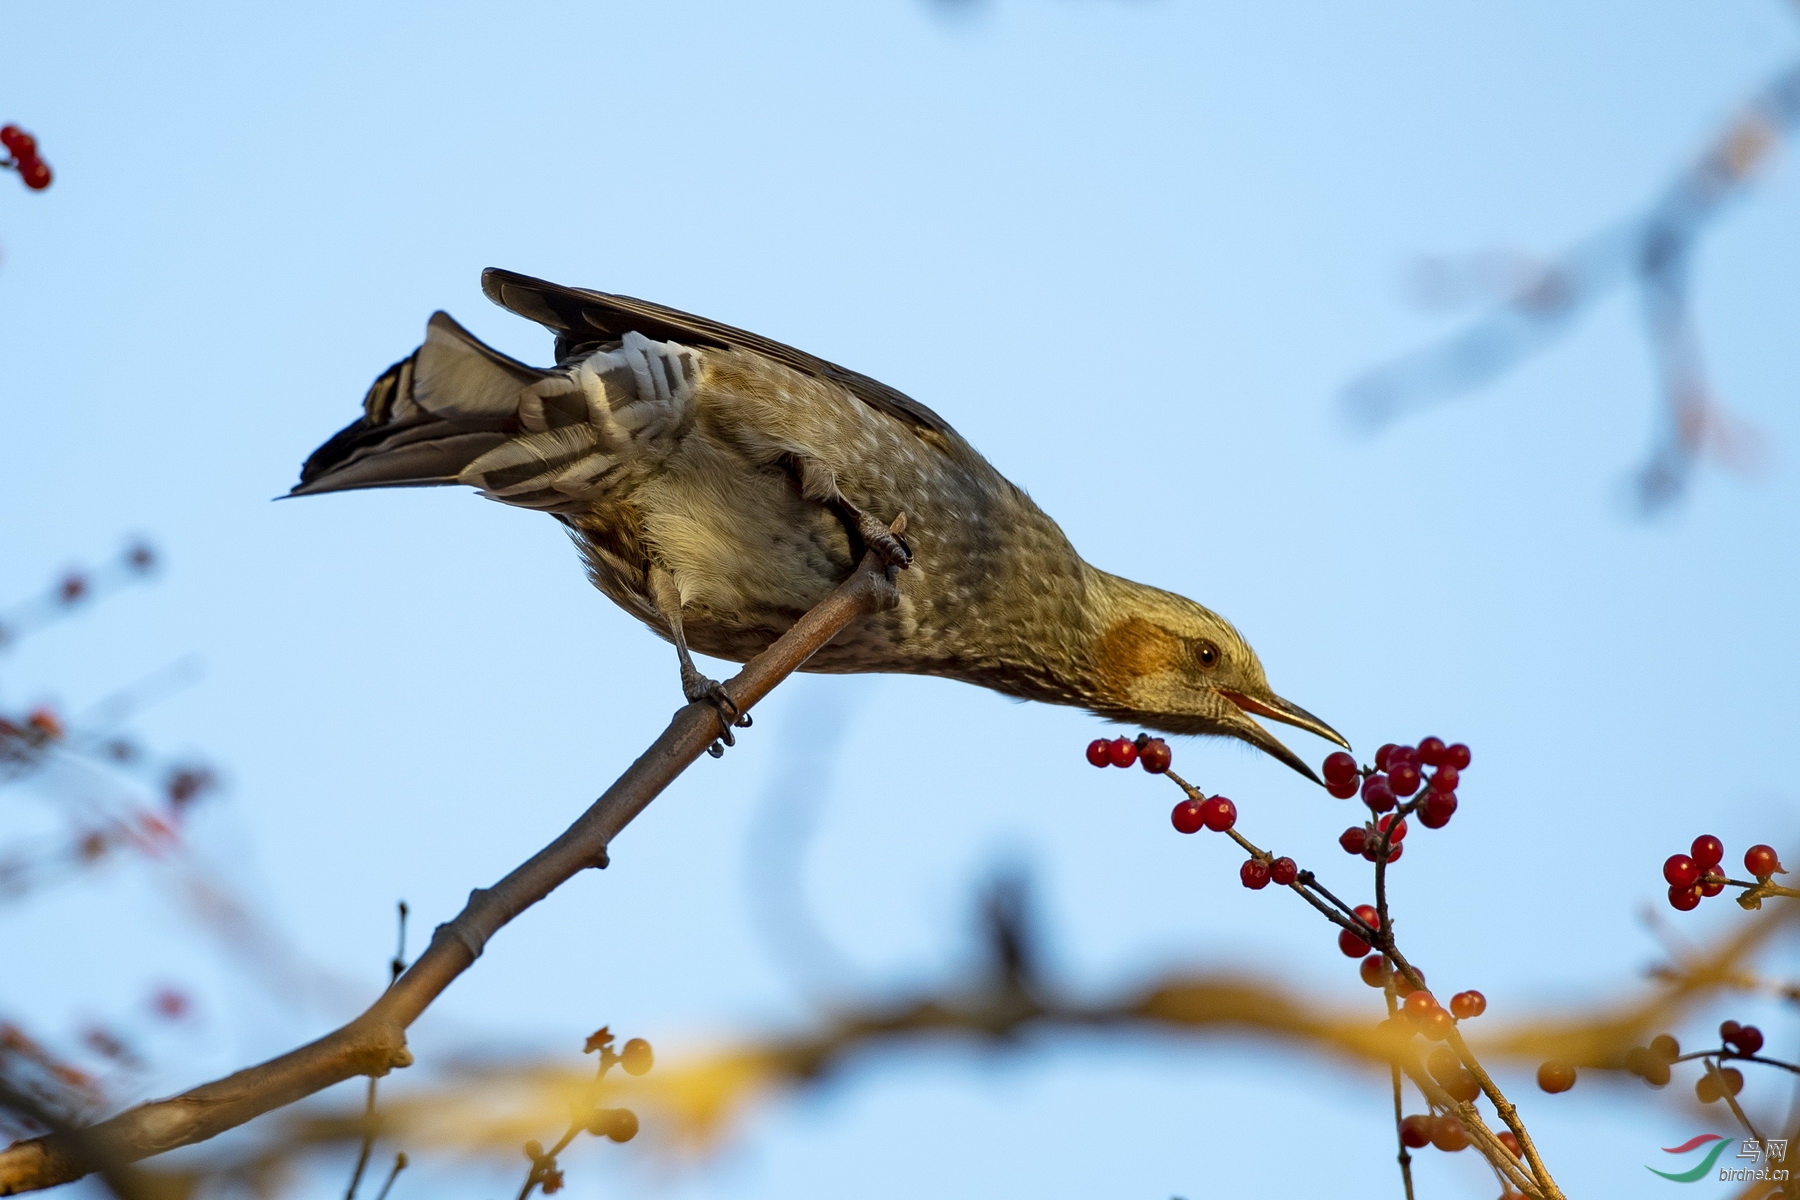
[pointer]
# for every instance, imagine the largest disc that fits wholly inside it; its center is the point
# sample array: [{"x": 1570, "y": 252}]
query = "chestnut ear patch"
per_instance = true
[{"x": 1133, "y": 649}]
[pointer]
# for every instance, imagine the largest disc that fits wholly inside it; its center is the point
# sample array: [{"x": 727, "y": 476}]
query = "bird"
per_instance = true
[{"x": 719, "y": 484}]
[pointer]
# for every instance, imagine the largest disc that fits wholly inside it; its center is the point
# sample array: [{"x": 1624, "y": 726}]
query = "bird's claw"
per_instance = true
[
  {"x": 885, "y": 540},
  {"x": 697, "y": 687}
]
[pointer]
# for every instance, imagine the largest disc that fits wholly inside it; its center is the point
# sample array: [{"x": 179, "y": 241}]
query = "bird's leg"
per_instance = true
[
  {"x": 695, "y": 686},
  {"x": 818, "y": 483}
]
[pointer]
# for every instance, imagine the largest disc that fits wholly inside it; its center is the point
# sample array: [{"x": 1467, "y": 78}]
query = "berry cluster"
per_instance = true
[
  {"x": 1446, "y": 1133},
  {"x": 1696, "y": 874},
  {"x": 1406, "y": 781},
  {"x": 23, "y": 148},
  {"x": 1652, "y": 1063},
  {"x": 1398, "y": 774},
  {"x": 1153, "y": 754},
  {"x": 616, "y": 1124}
]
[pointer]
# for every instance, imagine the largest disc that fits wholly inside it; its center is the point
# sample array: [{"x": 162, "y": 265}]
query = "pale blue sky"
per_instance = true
[{"x": 1133, "y": 251}]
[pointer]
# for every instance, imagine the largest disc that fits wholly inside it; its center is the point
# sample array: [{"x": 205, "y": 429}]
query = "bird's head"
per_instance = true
[{"x": 1164, "y": 662}]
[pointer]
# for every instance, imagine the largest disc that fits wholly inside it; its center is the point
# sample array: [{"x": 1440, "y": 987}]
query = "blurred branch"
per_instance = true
[
  {"x": 1654, "y": 252},
  {"x": 375, "y": 1042},
  {"x": 75, "y": 589},
  {"x": 1003, "y": 1003}
]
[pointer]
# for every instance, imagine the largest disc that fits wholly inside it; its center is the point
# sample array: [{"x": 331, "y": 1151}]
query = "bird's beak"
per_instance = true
[{"x": 1276, "y": 709}]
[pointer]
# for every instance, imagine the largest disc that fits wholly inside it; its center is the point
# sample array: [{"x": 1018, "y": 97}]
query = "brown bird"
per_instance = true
[{"x": 719, "y": 485}]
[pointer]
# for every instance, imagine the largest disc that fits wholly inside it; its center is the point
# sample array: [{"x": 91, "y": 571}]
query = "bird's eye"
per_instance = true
[{"x": 1207, "y": 655}]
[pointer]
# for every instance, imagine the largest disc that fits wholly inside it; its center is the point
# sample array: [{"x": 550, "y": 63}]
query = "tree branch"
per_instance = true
[{"x": 375, "y": 1042}]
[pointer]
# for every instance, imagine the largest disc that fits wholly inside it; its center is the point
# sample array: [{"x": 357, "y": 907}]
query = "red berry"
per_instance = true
[
  {"x": 22, "y": 144},
  {"x": 1462, "y": 1086},
  {"x": 1403, "y": 777},
  {"x": 1346, "y": 789},
  {"x": 1099, "y": 752},
  {"x": 1254, "y": 874},
  {"x": 1712, "y": 887},
  {"x": 1465, "y": 1005},
  {"x": 35, "y": 174},
  {"x": 1556, "y": 1076},
  {"x": 1445, "y": 779},
  {"x": 1708, "y": 851},
  {"x": 1339, "y": 768},
  {"x": 1187, "y": 817},
  {"x": 1511, "y": 1142},
  {"x": 1400, "y": 754},
  {"x": 1283, "y": 871},
  {"x": 1761, "y": 861},
  {"x": 1681, "y": 871},
  {"x": 1396, "y": 833},
  {"x": 1218, "y": 813},
  {"x": 1381, "y": 756},
  {"x": 1749, "y": 1040},
  {"x": 1403, "y": 986},
  {"x": 1728, "y": 1031},
  {"x": 1156, "y": 756},
  {"x": 1368, "y": 916},
  {"x": 1415, "y": 1131},
  {"x": 1418, "y": 1003},
  {"x": 1437, "y": 810},
  {"x": 10, "y": 134},
  {"x": 1395, "y": 851},
  {"x": 1431, "y": 751},
  {"x": 1448, "y": 1134},
  {"x": 1351, "y": 945},
  {"x": 1457, "y": 756},
  {"x": 1684, "y": 899},
  {"x": 1353, "y": 839},
  {"x": 1376, "y": 793},
  {"x": 1374, "y": 971},
  {"x": 1436, "y": 1025},
  {"x": 1122, "y": 751}
]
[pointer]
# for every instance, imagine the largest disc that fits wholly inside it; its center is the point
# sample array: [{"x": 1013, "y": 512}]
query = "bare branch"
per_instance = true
[{"x": 375, "y": 1042}]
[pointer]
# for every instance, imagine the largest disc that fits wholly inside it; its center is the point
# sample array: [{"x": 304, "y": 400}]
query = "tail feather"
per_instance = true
[
  {"x": 457, "y": 411},
  {"x": 427, "y": 418}
]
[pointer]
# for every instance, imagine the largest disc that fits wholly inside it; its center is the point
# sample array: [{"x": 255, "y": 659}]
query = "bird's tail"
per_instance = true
[
  {"x": 461, "y": 412},
  {"x": 427, "y": 418}
]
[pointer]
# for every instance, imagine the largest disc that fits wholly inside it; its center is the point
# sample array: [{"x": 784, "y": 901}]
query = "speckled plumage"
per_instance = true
[{"x": 733, "y": 470}]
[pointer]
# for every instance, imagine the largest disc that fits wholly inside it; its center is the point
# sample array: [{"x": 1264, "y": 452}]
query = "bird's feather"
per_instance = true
[{"x": 584, "y": 320}]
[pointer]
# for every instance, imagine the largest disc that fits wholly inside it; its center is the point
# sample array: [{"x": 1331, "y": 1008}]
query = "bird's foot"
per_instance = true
[
  {"x": 885, "y": 540},
  {"x": 697, "y": 687}
]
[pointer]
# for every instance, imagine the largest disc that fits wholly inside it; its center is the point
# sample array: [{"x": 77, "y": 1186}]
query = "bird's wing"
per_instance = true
[{"x": 583, "y": 320}]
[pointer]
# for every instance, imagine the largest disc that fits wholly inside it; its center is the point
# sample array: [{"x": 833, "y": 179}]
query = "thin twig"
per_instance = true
[
  {"x": 395, "y": 967},
  {"x": 399, "y": 1166},
  {"x": 1718, "y": 1078}
]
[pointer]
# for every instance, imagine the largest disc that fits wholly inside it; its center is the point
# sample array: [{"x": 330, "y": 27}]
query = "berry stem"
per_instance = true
[
  {"x": 1755, "y": 892},
  {"x": 1502, "y": 1106},
  {"x": 1393, "y": 1007},
  {"x": 1302, "y": 882},
  {"x": 1724, "y": 1053},
  {"x": 1538, "y": 1183},
  {"x": 1480, "y": 1136},
  {"x": 1405, "y": 1155},
  {"x": 1713, "y": 1073}
]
